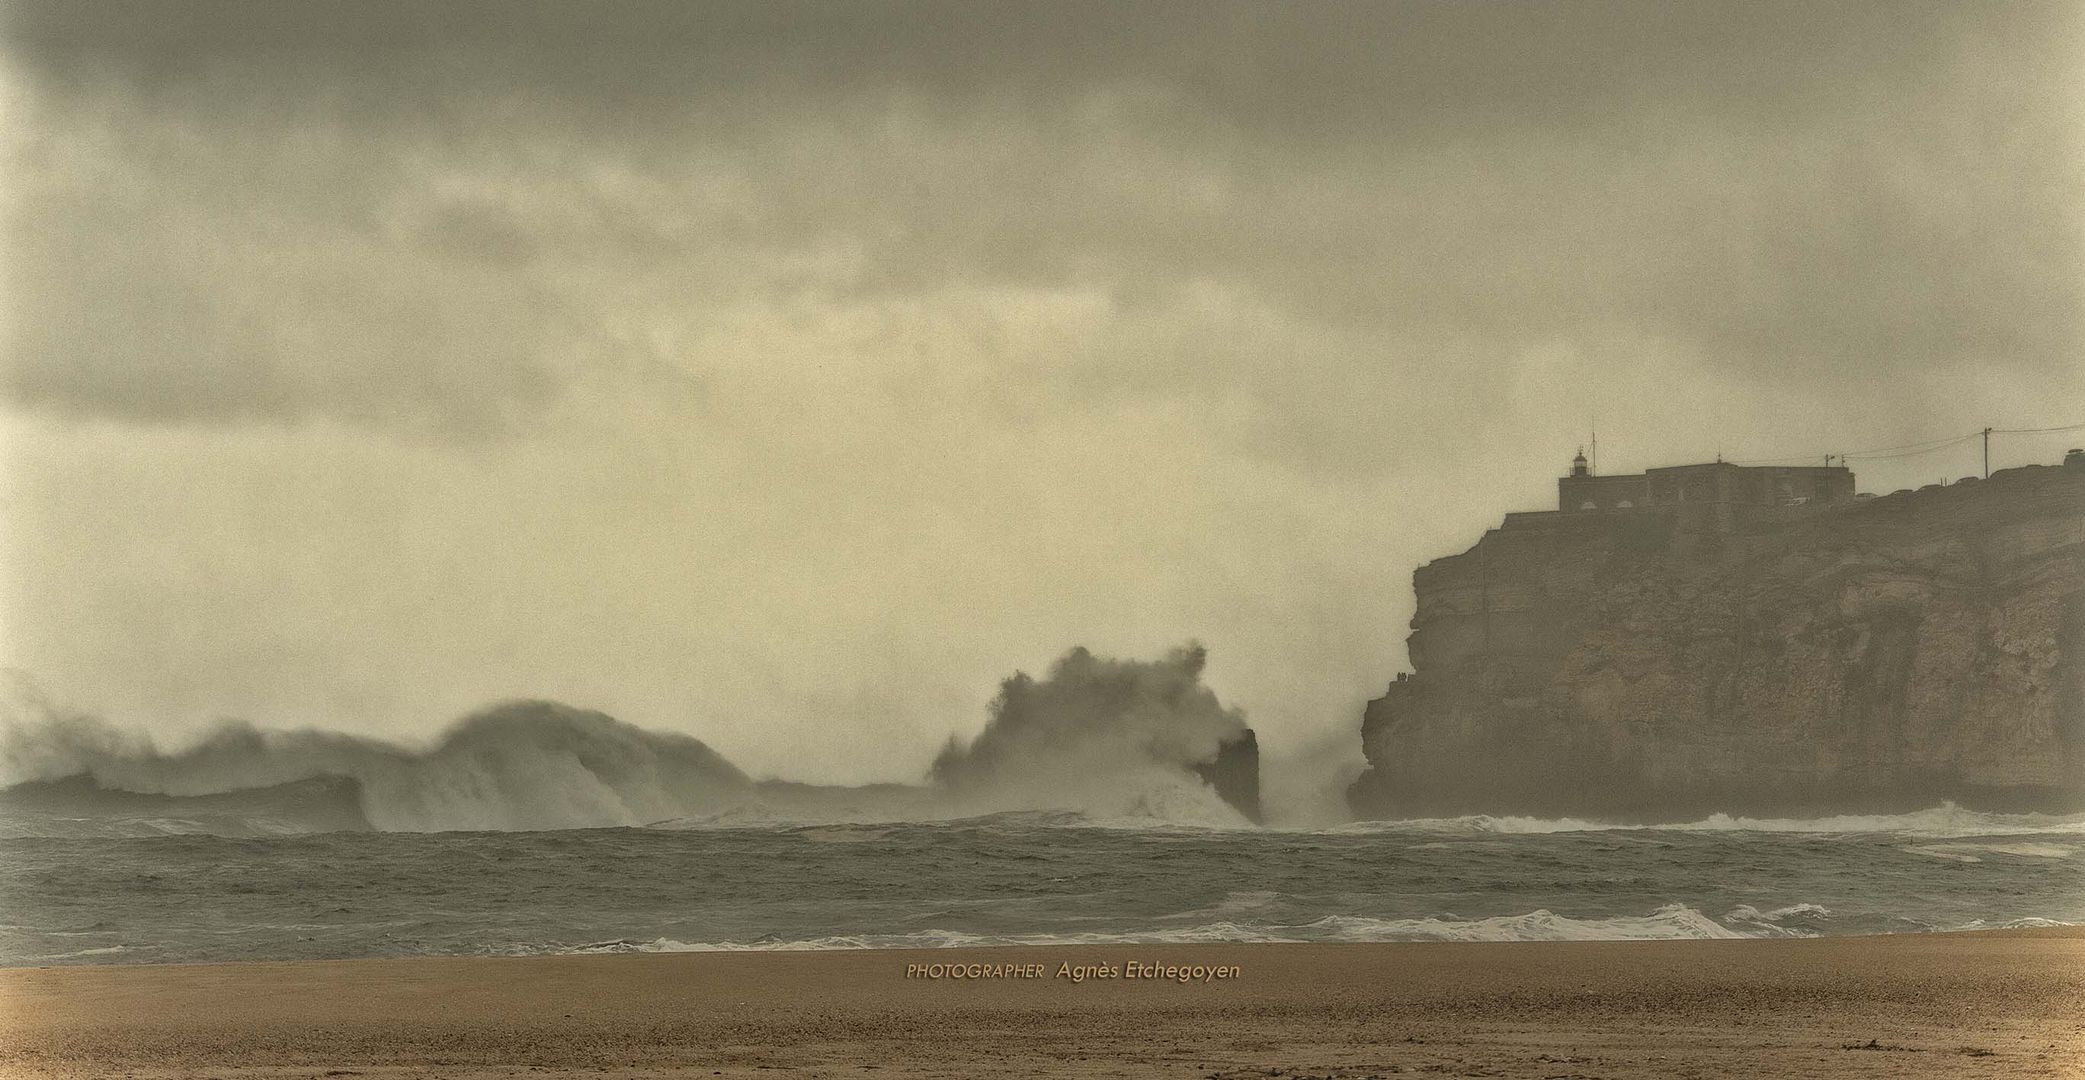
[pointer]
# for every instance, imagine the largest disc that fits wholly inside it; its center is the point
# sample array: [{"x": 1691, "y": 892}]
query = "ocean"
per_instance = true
[{"x": 1019, "y": 878}]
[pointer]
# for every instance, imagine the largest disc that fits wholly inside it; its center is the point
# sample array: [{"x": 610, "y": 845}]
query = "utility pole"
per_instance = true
[{"x": 1987, "y": 453}]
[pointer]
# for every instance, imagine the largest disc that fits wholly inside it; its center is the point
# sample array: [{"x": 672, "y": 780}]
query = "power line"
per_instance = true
[
  {"x": 1776, "y": 461},
  {"x": 2036, "y": 430},
  {"x": 1932, "y": 444},
  {"x": 1913, "y": 453},
  {"x": 1885, "y": 453}
]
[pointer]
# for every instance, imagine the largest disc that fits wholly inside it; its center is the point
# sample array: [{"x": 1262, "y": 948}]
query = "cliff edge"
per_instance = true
[{"x": 1661, "y": 663}]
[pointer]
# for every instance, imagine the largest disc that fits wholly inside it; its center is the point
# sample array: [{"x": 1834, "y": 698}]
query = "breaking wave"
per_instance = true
[
  {"x": 517, "y": 766},
  {"x": 1114, "y": 741},
  {"x": 1113, "y": 738}
]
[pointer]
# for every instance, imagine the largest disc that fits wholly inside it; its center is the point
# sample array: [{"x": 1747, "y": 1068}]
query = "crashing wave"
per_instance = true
[
  {"x": 1120, "y": 739},
  {"x": 1133, "y": 743},
  {"x": 521, "y": 765}
]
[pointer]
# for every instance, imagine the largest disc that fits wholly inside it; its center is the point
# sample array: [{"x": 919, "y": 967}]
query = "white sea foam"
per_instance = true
[
  {"x": 2033, "y": 851},
  {"x": 1668, "y": 923},
  {"x": 1974, "y": 853},
  {"x": 1673, "y": 922},
  {"x": 1940, "y": 822},
  {"x": 1794, "y": 920},
  {"x": 2029, "y": 923},
  {"x": 80, "y": 954},
  {"x": 1237, "y": 903}
]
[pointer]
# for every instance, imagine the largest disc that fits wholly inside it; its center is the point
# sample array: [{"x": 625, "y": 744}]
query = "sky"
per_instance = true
[{"x": 789, "y": 374}]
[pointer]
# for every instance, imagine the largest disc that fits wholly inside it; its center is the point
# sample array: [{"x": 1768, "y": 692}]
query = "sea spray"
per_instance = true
[
  {"x": 515, "y": 766},
  {"x": 1112, "y": 738},
  {"x": 1116, "y": 741}
]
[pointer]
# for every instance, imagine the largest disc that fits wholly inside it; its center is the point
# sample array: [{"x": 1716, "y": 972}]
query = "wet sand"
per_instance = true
[{"x": 1998, "y": 1004}]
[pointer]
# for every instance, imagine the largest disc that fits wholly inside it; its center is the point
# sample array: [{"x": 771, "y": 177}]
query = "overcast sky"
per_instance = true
[{"x": 788, "y": 374}]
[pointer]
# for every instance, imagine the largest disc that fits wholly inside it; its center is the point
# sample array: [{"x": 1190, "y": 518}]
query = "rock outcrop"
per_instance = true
[
  {"x": 1235, "y": 774},
  {"x": 1662, "y": 663}
]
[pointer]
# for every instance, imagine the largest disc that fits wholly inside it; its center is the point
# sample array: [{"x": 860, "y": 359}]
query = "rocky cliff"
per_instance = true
[{"x": 1655, "y": 664}]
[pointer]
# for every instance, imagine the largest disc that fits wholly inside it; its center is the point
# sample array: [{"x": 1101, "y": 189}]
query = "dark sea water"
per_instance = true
[{"x": 1020, "y": 878}]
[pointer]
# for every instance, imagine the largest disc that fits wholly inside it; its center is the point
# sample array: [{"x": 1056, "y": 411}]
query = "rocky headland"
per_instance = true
[{"x": 1664, "y": 662}]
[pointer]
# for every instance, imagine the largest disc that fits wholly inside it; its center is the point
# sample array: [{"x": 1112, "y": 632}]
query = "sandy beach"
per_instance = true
[{"x": 2005, "y": 1003}]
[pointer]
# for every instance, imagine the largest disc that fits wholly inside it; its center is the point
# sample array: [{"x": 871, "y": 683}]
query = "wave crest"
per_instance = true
[
  {"x": 1118, "y": 741},
  {"x": 520, "y": 765}
]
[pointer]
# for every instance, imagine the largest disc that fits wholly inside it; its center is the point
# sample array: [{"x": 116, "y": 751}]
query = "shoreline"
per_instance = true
[{"x": 1998, "y": 1003}]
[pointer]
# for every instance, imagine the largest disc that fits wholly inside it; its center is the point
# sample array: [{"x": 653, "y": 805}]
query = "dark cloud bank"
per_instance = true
[{"x": 1832, "y": 196}]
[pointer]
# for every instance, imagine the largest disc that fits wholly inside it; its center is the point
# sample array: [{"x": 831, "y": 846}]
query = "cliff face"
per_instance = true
[{"x": 1873, "y": 656}]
